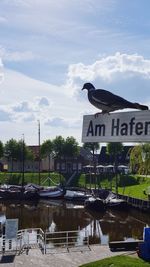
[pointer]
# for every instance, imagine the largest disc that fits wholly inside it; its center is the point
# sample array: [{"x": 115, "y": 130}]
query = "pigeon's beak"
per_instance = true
[{"x": 83, "y": 88}]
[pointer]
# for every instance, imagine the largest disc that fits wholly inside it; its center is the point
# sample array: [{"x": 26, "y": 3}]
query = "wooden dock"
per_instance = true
[{"x": 125, "y": 245}]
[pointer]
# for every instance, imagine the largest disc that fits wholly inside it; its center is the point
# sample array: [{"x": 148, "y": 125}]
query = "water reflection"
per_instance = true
[{"x": 59, "y": 215}]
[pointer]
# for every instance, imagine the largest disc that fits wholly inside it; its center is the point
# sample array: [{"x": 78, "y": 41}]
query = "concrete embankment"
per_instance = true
[{"x": 73, "y": 258}]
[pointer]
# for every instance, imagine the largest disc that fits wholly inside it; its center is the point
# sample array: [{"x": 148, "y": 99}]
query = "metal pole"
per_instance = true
[
  {"x": 39, "y": 152},
  {"x": 22, "y": 161}
]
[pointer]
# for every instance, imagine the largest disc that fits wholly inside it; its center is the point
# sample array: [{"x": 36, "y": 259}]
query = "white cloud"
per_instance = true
[
  {"x": 1, "y": 71},
  {"x": 16, "y": 56},
  {"x": 44, "y": 101},
  {"x": 19, "y": 56},
  {"x": 57, "y": 122},
  {"x": 29, "y": 100},
  {"x": 4, "y": 116},
  {"x": 109, "y": 68},
  {"x": 60, "y": 108},
  {"x": 22, "y": 107}
]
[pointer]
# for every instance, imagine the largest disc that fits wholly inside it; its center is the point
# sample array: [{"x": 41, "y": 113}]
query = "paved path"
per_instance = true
[{"x": 59, "y": 259}]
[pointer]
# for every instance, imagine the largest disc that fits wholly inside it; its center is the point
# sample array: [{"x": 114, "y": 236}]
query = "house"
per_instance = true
[
  {"x": 64, "y": 165},
  {"x": 73, "y": 164},
  {"x": 122, "y": 159}
]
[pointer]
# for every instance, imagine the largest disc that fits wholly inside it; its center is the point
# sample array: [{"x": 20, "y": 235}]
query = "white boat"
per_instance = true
[
  {"x": 51, "y": 192},
  {"x": 76, "y": 195},
  {"x": 95, "y": 204}
]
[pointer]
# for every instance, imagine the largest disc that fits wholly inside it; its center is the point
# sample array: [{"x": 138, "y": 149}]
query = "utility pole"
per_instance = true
[{"x": 39, "y": 152}]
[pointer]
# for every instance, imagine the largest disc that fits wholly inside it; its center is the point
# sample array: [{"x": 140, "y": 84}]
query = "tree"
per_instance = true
[
  {"x": 23, "y": 152},
  {"x": 71, "y": 147},
  {"x": 1, "y": 149},
  {"x": 140, "y": 159},
  {"x": 11, "y": 151},
  {"x": 146, "y": 157},
  {"x": 17, "y": 150},
  {"x": 93, "y": 147},
  {"x": 114, "y": 149},
  {"x": 58, "y": 146},
  {"x": 135, "y": 158},
  {"x": 46, "y": 148},
  {"x": 46, "y": 151}
]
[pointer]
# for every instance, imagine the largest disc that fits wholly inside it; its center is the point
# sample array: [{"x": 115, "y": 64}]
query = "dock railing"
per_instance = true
[
  {"x": 46, "y": 241},
  {"x": 140, "y": 204},
  {"x": 26, "y": 239},
  {"x": 65, "y": 240}
]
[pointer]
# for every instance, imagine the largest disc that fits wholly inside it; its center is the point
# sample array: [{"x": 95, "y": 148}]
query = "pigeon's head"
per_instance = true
[{"x": 88, "y": 86}]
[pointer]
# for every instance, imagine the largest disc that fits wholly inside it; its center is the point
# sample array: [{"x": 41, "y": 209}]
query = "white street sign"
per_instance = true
[{"x": 132, "y": 126}]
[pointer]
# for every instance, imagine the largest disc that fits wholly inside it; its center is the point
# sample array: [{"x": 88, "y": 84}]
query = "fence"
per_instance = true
[
  {"x": 65, "y": 240},
  {"x": 26, "y": 239},
  {"x": 36, "y": 238},
  {"x": 136, "y": 203}
]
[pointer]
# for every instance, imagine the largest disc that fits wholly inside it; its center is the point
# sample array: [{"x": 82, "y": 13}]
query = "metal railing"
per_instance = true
[
  {"x": 26, "y": 239},
  {"x": 65, "y": 240},
  {"x": 47, "y": 241},
  {"x": 136, "y": 203}
]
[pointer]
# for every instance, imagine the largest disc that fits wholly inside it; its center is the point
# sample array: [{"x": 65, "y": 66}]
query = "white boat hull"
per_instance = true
[{"x": 51, "y": 193}]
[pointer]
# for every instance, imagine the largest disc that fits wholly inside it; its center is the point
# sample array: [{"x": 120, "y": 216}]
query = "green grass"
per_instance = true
[
  {"x": 118, "y": 261},
  {"x": 134, "y": 191},
  {"x": 16, "y": 178},
  {"x": 130, "y": 185}
]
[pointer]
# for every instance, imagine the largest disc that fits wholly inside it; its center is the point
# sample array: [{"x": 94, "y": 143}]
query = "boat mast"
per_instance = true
[{"x": 23, "y": 160}]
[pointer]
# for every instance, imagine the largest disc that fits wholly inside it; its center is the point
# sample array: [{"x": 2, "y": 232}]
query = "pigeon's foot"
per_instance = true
[{"x": 99, "y": 113}]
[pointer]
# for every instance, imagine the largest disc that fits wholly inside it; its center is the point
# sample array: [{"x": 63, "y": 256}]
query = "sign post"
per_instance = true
[
  {"x": 11, "y": 228},
  {"x": 133, "y": 126}
]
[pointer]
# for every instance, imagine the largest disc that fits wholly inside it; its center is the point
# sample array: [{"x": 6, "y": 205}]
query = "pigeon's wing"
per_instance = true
[{"x": 107, "y": 98}]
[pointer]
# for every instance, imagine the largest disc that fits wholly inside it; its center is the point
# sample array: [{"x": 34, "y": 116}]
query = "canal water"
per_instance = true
[{"x": 59, "y": 215}]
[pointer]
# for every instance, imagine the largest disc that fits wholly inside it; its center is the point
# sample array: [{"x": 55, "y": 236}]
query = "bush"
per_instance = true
[{"x": 126, "y": 180}]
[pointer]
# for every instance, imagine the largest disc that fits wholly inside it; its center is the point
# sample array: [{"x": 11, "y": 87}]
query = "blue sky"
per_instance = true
[{"x": 49, "y": 49}]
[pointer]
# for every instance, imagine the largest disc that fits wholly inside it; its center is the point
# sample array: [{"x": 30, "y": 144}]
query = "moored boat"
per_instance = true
[
  {"x": 76, "y": 195},
  {"x": 116, "y": 203},
  {"x": 17, "y": 193},
  {"x": 95, "y": 204},
  {"x": 51, "y": 192},
  {"x": 113, "y": 202}
]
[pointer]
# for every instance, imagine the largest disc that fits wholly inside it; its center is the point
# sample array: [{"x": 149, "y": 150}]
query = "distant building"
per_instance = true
[
  {"x": 65, "y": 164},
  {"x": 122, "y": 159},
  {"x": 73, "y": 164}
]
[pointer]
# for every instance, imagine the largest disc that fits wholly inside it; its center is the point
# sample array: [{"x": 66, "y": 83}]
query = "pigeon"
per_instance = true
[{"x": 107, "y": 101}]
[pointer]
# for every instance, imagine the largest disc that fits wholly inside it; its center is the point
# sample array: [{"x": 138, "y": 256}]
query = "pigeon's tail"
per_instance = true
[{"x": 141, "y": 107}]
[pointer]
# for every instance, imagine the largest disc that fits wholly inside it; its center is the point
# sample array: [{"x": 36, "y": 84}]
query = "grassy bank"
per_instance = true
[
  {"x": 130, "y": 185},
  {"x": 16, "y": 178},
  {"x": 118, "y": 261}
]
